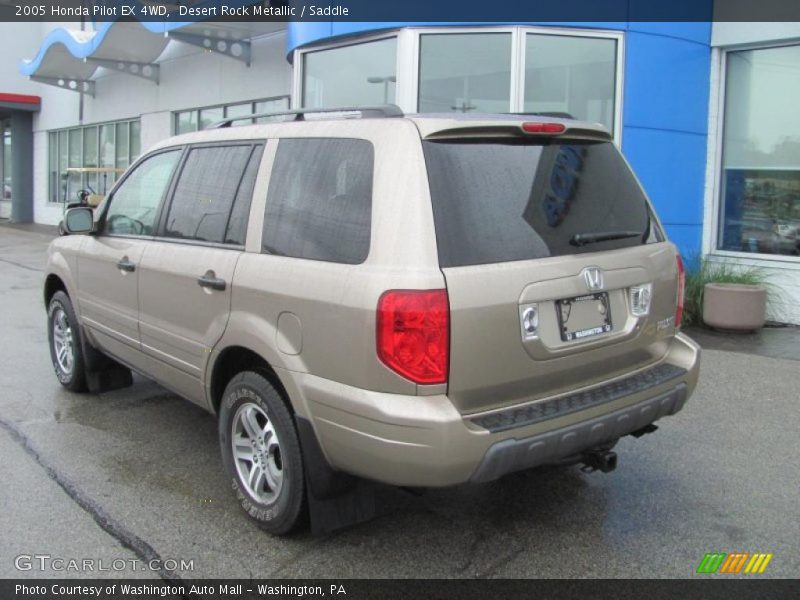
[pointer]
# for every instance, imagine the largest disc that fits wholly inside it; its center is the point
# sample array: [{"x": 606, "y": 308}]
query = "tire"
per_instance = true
[
  {"x": 252, "y": 409},
  {"x": 66, "y": 350}
]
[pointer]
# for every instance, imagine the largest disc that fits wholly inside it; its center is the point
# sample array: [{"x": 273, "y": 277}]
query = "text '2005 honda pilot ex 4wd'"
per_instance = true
[{"x": 421, "y": 300}]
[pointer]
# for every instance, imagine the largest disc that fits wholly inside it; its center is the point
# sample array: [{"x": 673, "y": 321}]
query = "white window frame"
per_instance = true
[
  {"x": 713, "y": 197},
  {"x": 408, "y": 54}
]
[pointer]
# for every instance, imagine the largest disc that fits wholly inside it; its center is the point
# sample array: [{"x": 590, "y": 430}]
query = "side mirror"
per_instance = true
[{"x": 79, "y": 220}]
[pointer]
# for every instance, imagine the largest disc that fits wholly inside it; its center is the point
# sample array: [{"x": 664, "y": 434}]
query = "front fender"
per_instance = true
[{"x": 62, "y": 262}]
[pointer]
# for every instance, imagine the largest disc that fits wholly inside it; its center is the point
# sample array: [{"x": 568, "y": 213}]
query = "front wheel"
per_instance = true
[
  {"x": 261, "y": 453},
  {"x": 65, "y": 343}
]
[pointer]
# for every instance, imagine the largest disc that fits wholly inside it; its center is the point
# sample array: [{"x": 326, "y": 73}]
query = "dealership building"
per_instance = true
[{"x": 706, "y": 113}]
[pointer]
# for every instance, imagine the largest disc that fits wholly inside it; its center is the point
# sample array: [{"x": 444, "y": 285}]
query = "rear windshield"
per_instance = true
[{"x": 501, "y": 201}]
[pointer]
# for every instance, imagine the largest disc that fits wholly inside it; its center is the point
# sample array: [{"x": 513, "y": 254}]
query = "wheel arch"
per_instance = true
[
  {"x": 52, "y": 284},
  {"x": 235, "y": 359}
]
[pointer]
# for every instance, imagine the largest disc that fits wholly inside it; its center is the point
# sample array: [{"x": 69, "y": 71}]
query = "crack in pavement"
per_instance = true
[
  {"x": 20, "y": 265},
  {"x": 114, "y": 528}
]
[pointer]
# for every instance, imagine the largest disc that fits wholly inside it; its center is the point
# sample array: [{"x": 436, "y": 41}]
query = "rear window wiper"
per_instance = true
[{"x": 581, "y": 239}]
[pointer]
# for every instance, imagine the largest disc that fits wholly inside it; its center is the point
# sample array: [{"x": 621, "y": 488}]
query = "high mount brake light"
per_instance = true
[
  {"x": 413, "y": 334},
  {"x": 531, "y": 127}
]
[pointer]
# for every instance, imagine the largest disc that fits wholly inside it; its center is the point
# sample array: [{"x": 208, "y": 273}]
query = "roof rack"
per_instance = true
[
  {"x": 554, "y": 114},
  {"x": 384, "y": 111}
]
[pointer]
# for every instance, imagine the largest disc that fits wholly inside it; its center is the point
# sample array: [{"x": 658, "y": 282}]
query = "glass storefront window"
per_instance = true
[
  {"x": 135, "y": 141},
  {"x": 108, "y": 146},
  {"x": 90, "y": 157},
  {"x": 478, "y": 70},
  {"x": 63, "y": 163},
  {"x": 465, "y": 72},
  {"x": 356, "y": 75},
  {"x": 121, "y": 150},
  {"x": 760, "y": 179},
  {"x": 267, "y": 106},
  {"x": 74, "y": 180},
  {"x": 575, "y": 75},
  {"x": 209, "y": 116},
  {"x": 186, "y": 121},
  {"x": 240, "y": 110}
]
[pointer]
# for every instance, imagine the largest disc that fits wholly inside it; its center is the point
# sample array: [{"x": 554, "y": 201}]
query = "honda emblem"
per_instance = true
[{"x": 593, "y": 276}]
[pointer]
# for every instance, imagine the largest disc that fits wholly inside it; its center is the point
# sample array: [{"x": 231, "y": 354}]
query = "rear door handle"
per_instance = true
[
  {"x": 209, "y": 280},
  {"x": 126, "y": 265}
]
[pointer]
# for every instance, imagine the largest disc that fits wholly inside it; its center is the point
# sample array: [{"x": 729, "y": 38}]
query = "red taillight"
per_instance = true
[
  {"x": 543, "y": 128},
  {"x": 414, "y": 334},
  {"x": 681, "y": 290}
]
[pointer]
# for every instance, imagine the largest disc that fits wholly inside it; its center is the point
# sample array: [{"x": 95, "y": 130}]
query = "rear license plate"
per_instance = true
[{"x": 584, "y": 316}]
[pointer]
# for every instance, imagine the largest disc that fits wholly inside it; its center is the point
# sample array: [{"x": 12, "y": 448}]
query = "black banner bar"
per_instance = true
[
  {"x": 400, "y": 11},
  {"x": 705, "y": 587}
]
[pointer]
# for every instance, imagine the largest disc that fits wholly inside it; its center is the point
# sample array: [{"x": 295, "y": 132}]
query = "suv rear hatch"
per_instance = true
[{"x": 546, "y": 243}]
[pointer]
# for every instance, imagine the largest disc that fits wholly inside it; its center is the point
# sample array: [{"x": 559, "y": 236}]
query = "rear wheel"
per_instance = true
[
  {"x": 65, "y": 343},
  {"x": 261, "y": 453}
]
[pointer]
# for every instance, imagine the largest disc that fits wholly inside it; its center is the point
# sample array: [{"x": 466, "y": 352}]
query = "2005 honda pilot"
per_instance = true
[{"x": 419, "y": 300}]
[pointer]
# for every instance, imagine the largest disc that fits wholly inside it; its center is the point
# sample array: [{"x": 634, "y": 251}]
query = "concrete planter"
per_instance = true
[{"x": 734, "y": 306}]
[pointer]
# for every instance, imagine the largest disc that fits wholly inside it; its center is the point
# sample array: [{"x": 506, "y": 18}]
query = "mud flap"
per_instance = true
[
  {"x": 103, "y": 374},
  {"x": 335, "y": 500}
]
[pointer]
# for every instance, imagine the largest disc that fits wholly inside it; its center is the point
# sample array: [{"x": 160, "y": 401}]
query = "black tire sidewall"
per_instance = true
[
  {"x": 281, "y": 515},
  {"x": 74, "y": 381}
]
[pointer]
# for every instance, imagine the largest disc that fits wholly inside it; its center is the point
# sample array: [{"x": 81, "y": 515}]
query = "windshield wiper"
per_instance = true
[{"x": 581, "y": 239}]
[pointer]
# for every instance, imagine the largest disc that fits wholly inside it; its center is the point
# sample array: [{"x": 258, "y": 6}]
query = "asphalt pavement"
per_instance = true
[{"x": 133, "y": 476}]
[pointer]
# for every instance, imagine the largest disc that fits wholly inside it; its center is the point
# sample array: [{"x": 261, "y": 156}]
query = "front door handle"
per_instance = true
[
  {"x": 126, "y": 265},
  {"x": 209, "y": 280}
]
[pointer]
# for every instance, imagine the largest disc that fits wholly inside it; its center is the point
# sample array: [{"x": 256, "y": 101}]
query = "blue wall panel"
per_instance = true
[
  {"x": 671, "y": 166},
  {"x": 692, "y": 31},
  {"x": 665, "y": 121},
  {"x": 666, "y": 83}
]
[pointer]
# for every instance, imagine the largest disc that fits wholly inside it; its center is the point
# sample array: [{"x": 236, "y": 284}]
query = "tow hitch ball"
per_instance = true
[{"x": 599, "y": 460}]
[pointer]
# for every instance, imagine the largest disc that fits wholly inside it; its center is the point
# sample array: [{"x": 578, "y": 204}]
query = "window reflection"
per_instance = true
[
  {"x": 575, "y": 75},
  {"x": 761, "y": 152},
  {"x": 465, "y": 72},
  {"x": 356, "y": 75}
]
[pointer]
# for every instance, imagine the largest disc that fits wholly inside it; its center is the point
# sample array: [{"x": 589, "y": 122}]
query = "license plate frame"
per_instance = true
[{"x": 585, "y": 304}]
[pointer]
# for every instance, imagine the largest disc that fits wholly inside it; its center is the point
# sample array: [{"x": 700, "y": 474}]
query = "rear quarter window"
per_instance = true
[
  {"x": 319, "y": 202},
  {"x": 502, "y": 201}
]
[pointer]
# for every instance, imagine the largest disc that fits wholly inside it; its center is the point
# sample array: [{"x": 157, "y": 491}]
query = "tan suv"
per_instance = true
[{"x": 420, "y": 300}]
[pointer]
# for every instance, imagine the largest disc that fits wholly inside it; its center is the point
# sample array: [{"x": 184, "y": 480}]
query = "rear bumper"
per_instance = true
[
  {"x": 547, "y": 448},
  {"x": 424, "y": 441}
]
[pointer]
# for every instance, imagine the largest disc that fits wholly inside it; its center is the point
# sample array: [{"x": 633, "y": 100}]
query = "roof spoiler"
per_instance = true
[{"x": 570, "y": 131}]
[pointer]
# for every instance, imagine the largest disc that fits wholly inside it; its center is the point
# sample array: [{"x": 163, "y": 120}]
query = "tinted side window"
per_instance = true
[
  {"x": 204, "y": 194},
  {"x": 240, "y": 213},
  {"x": 135, "y": 202},
  {"x": 319, "y": 203}
]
